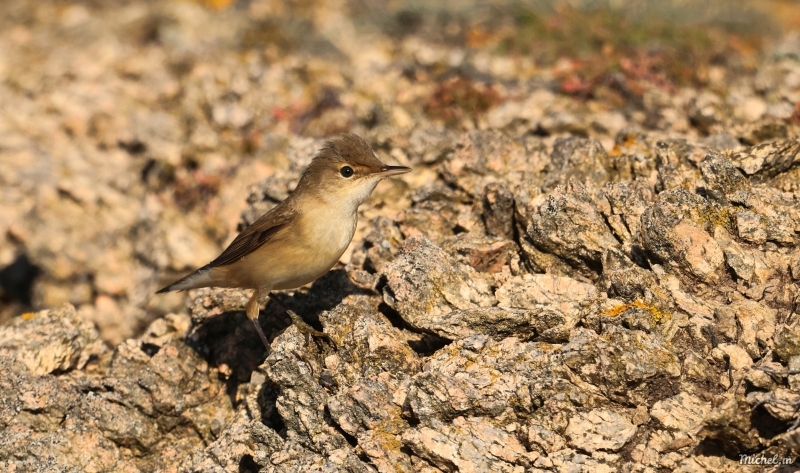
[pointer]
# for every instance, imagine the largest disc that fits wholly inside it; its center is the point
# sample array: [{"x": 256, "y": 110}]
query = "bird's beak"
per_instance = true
[{"x": 387, "y": 171}]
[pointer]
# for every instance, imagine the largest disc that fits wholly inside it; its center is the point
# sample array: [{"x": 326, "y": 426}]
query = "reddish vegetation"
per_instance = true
[
  {"x": 193, "y": 187},
  {"x": 605, "y": 49},
  {"x": 460, "y": 97}
]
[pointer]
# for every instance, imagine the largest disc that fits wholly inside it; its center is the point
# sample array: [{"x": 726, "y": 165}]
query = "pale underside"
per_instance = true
[{"x": 297, "y": 255}]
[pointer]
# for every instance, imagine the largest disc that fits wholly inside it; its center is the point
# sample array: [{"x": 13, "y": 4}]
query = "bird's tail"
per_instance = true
[{"x": 203, "y": 277}]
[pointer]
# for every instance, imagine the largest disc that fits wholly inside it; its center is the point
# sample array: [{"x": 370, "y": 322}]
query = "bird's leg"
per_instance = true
[
  {"x": 301, "y": 325},
  {"x": 252, "y": 313}
]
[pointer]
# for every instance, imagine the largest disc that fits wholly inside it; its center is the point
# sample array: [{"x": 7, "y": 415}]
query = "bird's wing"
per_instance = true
[{"x": 253, "y": 237}]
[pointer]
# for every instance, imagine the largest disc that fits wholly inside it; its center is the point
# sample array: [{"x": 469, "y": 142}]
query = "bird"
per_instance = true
[{"x": 303, "y": 237}]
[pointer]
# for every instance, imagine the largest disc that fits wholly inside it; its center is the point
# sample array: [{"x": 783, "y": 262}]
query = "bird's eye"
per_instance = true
[{"x": 346, "y": 171}]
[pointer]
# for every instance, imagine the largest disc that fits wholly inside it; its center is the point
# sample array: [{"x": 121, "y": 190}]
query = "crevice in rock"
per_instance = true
[
  {"x": 134, "y": 147},
  {"x": 17, "y": 279},
  {"x": 267, "y": 400},
  {"x": 394, "y": 317},
  {"x": 766, "y": 425},
  {"x": 611, "y": 229},
  {"x": 639, "y": 258},
  {"x": 351, "y": 440},
  {"x": 661, "y": 387},
  {"x": 626, "y": 453},
  {"x": 149, "y": 349},
  {"x": 429, "y": 342},
  {"x": 248, "y": 465},
  {"x": 539, "y": 131}
]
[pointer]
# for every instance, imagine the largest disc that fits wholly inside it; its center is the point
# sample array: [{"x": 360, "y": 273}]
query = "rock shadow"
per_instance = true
[
  {"x": 229, "y": 340},
  {"x": 16, "y": 280}
]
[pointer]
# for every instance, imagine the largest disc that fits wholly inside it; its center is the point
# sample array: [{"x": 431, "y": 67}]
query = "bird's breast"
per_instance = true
[
  {"x": 298, "y": 255},
  {"x": 316, "y": 245},
  {"x": 328, "y": 231}
]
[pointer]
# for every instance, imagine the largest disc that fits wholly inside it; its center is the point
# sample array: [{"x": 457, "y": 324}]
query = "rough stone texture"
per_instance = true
[
  {"x": 599, "y": 430},
  {"x": 586, "y": 271},
  {"x": 553, "y": 305},
  {"x": 468, "y": 445},
  {"x": 141, "y": 407},
  {"x": 53, "y": 341},
  {"x": 570, "y": 226},
  {"x": 430, "y": 292}
]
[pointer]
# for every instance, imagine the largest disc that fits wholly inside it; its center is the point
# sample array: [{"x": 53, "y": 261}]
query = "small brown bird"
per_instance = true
[{"x": 301, "y": 238}]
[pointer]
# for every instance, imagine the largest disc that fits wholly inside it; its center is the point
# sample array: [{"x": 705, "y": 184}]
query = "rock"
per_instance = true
[
  {"x": 51, "y": 341},
  {"x": 635, "y": 365},
  {"x": 787, "y": 342},
  {"x": 38, "y": 433},
  {"x": 569, "y": 226},
  {"x": 768, "y": 159},
  {"x": 754, "y": 324},
  {"x": 599, "y": 429},
  {"x": 736, "y": 355},
  {"x": 672, "y": 230},
  {"x": 769, "y": 216},
  {"x": 464, "y": 380},
  {"x": 780, "y": 403},
  {"x": 483, "y": 157},
  {"x": 424, "y": 287},
  {"x": 188, "y": 250},
  {"x": 367, "y": 412},
  {"x": 431, "y": 144},
  {"x": 730, "y": 423},
  {"x": 702, "y": 254},
  {"x": 739, "y": 260},
  {"x": 630, "y": 282},
  {"x": 794, "y": 378},
  {"x": 579, "y": 159},
  {"x": 433, "y": 220},
  {"x": 722, "y": 176},
  {"x": 301, "y": 403},
  {"x": 587, "y": 270},
  {"x": 627, "y": 201},
  {"x": 498, "y": 211},
  {"x": 144, "y": 409},
  {"x": 484, "y": 254},
  {"x": 554, "y": 304},
  {"x": 682, "y": 412},
  {"x": 471, "y": 444},
  {"x": 794, "y": 266}
]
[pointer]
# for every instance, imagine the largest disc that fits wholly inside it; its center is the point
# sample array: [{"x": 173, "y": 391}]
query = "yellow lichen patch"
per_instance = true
[
  {"x": 220, "y": 4},
  {"x": 216, "y": 4},
  {"x": 386, "y": 438},
  {"x": 545, "y": 347},
  {"x": 657, "y": 315},
  {"x": 720, "y": 218},
  {"x": 28, "y": 315},
  {"x": 630, "y": 140}
]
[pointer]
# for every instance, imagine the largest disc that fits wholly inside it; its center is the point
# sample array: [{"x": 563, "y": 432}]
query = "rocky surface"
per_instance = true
[{"x": 589, "y": 270}]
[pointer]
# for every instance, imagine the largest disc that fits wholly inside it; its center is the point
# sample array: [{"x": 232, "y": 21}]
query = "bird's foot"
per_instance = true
[{"x": 308, "y": 330}]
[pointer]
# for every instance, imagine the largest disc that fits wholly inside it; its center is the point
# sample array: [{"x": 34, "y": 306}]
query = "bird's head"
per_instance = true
[{"x": 345, "y": 171}]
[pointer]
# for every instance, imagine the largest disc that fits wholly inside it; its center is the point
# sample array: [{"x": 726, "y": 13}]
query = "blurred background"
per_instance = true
[{"x": 131, "y": 132}]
